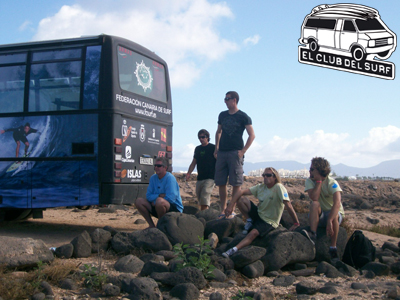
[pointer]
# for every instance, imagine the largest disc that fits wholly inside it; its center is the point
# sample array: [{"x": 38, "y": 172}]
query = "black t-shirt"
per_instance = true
[
  {"x": 232, "y": 130},
  {"x": 205, "y": 161}
]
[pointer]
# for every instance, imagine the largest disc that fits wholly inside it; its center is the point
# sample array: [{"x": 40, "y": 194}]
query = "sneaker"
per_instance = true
[
  {"x": 247, "y": 226},
  {"x": 228, "y": 253},
  {"x": 311, "y": 236},
  {"x": 334, "y": 256}
]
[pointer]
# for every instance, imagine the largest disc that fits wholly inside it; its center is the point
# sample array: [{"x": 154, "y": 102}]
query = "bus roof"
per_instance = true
[
  {"x": 344, "y": 11},
  {"x": 86, "y": 40}
]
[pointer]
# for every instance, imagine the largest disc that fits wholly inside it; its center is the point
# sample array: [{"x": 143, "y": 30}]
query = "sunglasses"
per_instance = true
[
  {"x": 267, "y": 175},
  {"x": 202, "y": 137},
  {"x": 158, "y": 165},
  {"x": 228, "y": 98}
]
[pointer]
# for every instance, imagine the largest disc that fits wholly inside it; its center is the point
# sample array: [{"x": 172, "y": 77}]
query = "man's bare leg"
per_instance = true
[
  {"x": 235, "y": 191},
  {"x": 222, "y": 197},
  {"x": 244, "y": 206},
  {"x": 162, "y": 207},
  {"x": 315, "y": 211},
  {"x": 17, "y": 151},
  {"x": 144, "y": 208}
]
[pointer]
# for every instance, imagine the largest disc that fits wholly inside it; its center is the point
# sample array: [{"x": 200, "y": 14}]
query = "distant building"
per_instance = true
[{"x": 283, "y": 173}]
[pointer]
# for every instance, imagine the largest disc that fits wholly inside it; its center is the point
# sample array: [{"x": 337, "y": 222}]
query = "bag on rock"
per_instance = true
[{"x": 359, "y": 250}]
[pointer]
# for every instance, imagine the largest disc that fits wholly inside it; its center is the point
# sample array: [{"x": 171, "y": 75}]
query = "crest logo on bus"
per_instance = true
[
  {"x": 142, "y": 133},
  {"x": 347, "y": 37},
  {"x": 143, "y": 76},
  {"x": 124, "y": 128},
  {"x": 128, "y": 151},
  {"x": 164, "y": 134}
]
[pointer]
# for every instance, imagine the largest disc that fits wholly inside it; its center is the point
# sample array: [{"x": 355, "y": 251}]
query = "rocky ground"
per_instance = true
[{"x": 366, "y": 203}]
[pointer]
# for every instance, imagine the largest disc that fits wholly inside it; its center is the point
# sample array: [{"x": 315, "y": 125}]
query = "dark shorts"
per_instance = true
[
  {"x": 229, "y": 165},
  {"x": 172, "y": 208},
  {"x": 262, "y": 227},
  {"x": 19, "y": 137},
  {"x": 323, "y": 218}
]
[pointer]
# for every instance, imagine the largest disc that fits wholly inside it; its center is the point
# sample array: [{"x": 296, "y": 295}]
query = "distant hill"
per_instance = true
[{"x": 390, "y": 168}]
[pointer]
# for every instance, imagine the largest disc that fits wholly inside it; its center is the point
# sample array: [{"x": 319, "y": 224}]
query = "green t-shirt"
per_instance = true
[
  {"x": 328, "y": 188},
  {"x": 270, "y": 207}
]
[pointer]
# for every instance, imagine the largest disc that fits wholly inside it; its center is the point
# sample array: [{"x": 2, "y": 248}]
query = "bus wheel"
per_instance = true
[
  {"x": 17, "y": 214},
  {"x": 84, "y": 207},
  {"x": 313, "y": 45},
  {"x": 358, "y": 54}
]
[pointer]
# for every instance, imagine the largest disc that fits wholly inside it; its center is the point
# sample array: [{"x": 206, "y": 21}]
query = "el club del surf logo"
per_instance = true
[{"x": 348, "y": 37}]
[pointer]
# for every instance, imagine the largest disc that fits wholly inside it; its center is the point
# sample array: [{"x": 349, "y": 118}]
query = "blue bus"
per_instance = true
[{"x": 81, "y": 123}]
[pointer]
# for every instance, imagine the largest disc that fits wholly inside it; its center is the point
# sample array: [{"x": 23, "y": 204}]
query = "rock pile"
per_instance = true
[{"x": 287, "y": 258}]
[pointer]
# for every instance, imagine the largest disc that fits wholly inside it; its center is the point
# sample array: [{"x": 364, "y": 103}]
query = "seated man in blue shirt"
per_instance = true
[{"x": 162, "y": 194}]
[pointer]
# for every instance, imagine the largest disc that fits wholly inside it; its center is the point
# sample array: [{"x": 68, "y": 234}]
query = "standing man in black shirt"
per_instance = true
[
  {"x": 230, "y": 149},
  {"x": 205, "y": 161}
]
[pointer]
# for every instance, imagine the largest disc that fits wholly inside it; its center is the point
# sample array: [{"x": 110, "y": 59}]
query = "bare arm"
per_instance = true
[
  {"x": 191, "y": 168},
  {"x": 236, "y": 197},
  {"x": 337, "y": 199},
  {"x": 316, "y": 191},
  {"x": 217, "y": 138},
  {"x": 250, "y": 139},
  {"x": 293, "y": 215}
]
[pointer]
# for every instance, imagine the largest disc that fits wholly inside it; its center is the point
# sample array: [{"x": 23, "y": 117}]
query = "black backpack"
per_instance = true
[{"x": 359, "y": 250}]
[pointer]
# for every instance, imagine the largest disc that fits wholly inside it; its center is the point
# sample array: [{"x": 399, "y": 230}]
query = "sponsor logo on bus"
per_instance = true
[
  {"x": 143, "y": 76},
  {"x": 164, "y": 134},
  {"x": 146, "y": 161},
  {"x": 142, "y": 133},
  {"x": 134, "y": 174},
  {"x": 128, "y": 155},
  {"x": 161, "y": 153}
]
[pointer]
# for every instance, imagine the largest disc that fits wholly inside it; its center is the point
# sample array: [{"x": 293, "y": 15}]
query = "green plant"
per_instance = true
[
  {"x": 386, "y": 230},
  {"x": 241, "y": 296},
  {"x": 195, "y": 256},
  {"x": 93, "y": 277},
  {"x": 39, "y": 275}
]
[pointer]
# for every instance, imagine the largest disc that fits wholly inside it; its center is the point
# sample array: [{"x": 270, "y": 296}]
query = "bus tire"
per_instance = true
[
  {"x": 17, "y": 214},
  {"x": 358, "y": 53},
  {"x": 84, "y": 207},
  {"x": 313, "y": 45}
]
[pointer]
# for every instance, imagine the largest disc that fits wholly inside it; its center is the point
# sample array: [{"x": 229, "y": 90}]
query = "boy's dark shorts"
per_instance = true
[
  {"x": 262, "y": 227},
  {"x": 172, "y": 208}
]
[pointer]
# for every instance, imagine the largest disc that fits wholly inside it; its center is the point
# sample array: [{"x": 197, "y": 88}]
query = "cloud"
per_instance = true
[
  {"x": 183, "y": 156},
  {"x": 253, "y": 40},
  {"x": 25, "y": 25},
  {"x": 381, "y": 144},
  {"x": 378, "y": 146},
  {"x": 182, "y": 32}
]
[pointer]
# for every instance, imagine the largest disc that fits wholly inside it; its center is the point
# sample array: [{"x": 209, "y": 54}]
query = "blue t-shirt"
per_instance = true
[{"x": 166, "y": 185}]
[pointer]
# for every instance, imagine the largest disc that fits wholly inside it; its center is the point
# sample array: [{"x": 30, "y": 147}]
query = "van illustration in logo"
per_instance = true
[{"x": 348, "y": 31}]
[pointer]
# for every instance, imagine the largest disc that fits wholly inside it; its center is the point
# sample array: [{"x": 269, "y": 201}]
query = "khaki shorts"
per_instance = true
[{"x": 203, "y": 191}]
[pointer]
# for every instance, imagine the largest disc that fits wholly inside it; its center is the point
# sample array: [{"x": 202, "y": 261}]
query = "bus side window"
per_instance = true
[
  {"x": 55, "y": 86},
  {"x": 92, "y": 74},
  {"x": 12, "y": 81}
]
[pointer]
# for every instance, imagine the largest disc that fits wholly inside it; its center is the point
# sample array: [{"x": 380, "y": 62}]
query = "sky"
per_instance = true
[{"x": 298, "y": 111}]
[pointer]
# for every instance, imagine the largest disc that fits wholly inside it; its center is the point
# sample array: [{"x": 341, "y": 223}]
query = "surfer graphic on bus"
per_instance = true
[{"x": 19, "y": 134}]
